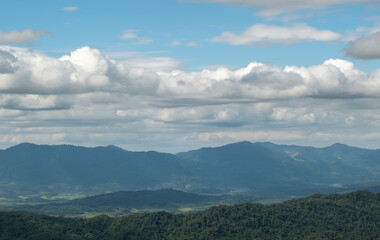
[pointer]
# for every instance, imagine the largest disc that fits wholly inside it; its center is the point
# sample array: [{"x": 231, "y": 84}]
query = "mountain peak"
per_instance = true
[
  {"x": 23, "y": 145},
  {"x": 114, "y": 147},
  {"x": 244, "y": 142},
  {"x": 338, "y": 145},
  {"x": 241, "y": 144}
]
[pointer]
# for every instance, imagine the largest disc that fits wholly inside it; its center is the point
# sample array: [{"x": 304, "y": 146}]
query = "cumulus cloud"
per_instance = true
[
  {"x": 275, "y": 7},
  {"x": 88, "y": 70},
  {"x": 335, "y": 78},
  {"x": 23, "y": 37},
  {"x": 88, "y": 97},
  {"x": 294, "y": 115},
  {"x": 269, "y": 34},
  {"x": 33, "y": 102},
  {"x": 84, "y": 70},
  {"x": 6, "y": 61},
  {"x": 366, "y": 47}
]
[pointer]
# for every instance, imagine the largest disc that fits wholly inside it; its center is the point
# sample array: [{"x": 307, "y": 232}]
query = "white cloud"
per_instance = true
[
  {"x": 70, "y": 9},
  {"x": 276, "y": 7},
  {"x": 269, "y": 34},
  {"x": 365, "y": 47},
  {"x": 88, "y": 70},
  {"x": 359, "y": 32},
  {"x": 294, "y": 115},
  {"x": 6, "y": 62},
  {"x": 191, "y": 44},
  {"x": 91, "y": 67},
  {"x": 129, "y": 34},
  {"x": 88, "y": 98},
  {"x": 350, "y": 120},
  {"x": 23, "y": 37},
  {"x": 175, "y": 43},
  {"x": 152, "y": 63},
  {"x": 33, "y": 102},
  {"x": 84, "y": 70},
  {"x": 131, "y": 54},
  {"x": 251, "y": 136},
  {"x": 145, "y": 40}
]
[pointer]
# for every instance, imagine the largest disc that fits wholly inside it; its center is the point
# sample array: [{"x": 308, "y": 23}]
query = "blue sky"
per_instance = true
[
  {"x": 173, "y": 75},
  {"x": 100, "y": 24}
]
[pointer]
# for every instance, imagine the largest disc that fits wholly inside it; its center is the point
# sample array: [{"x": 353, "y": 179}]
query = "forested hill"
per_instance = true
[
  {"x": 120, "y": 203},
  {"x": 354, "y": 215}
]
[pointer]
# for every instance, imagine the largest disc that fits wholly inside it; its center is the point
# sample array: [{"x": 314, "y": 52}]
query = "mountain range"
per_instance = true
[{"x": 29, "y": 171}]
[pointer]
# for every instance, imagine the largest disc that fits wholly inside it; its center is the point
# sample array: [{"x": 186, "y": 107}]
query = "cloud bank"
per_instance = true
[
  {"x": 87, "y": 70},
  {"x": 275, "y": 7},
  {"x": 88, "y": 97}
]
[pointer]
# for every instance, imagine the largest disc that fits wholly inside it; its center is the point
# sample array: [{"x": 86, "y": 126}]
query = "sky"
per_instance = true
[{"x": 176, "y": 75}]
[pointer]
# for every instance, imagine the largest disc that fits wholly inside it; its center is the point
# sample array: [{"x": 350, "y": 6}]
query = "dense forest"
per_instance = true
[{"x": 354, "y": 215}]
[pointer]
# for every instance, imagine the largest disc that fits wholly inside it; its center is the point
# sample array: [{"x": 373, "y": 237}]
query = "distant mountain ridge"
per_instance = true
[
  {"x": 31, "y": 170},
  {"x": 245, "y": 165},
  {"x": 48, "y": 168},
  {"x": 340, "y": 163},
  {"x": 289, "y": 166}
]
